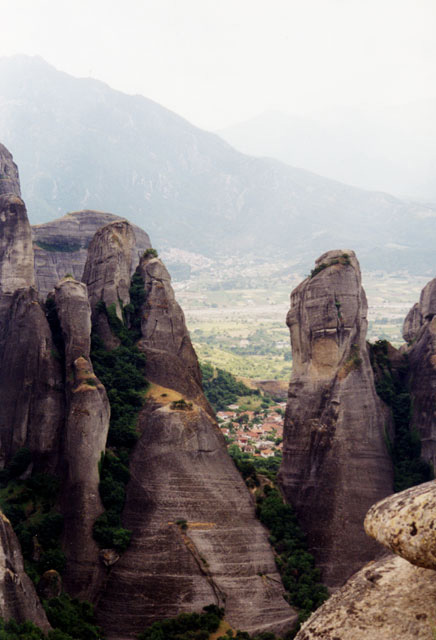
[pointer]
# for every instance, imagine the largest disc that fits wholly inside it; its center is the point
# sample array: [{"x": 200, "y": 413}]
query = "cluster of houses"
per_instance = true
[{"x": 257, "y": 432}]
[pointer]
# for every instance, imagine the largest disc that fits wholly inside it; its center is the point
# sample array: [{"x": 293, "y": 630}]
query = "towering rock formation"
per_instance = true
[
  {"x": 61, "y": 245},
  {"x": 171, "y": 359},
  {"x": 84, "y": 440},
  {"x": 30, "y": 375},
  {"x": 18, "y": 598},
  {"x": 195, "y": 536},
  {"x": 419, "y": 331},
  {"x": 335, "y": 461},
  {"x": 109, "y": 265}
]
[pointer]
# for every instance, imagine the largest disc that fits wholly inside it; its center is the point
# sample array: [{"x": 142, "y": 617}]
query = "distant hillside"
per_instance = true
[
  {"x": 82, "y": 145},
  {"x": 389, "y": 149}
]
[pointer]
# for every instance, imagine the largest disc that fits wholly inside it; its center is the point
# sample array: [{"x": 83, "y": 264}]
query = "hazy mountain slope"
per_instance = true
[
  {"x": 80, "y": 144},
  {"x": 389, "y": 149}
]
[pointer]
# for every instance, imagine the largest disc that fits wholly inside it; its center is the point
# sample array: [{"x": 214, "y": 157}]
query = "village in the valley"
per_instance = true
[{"x": 258, "y": 432}]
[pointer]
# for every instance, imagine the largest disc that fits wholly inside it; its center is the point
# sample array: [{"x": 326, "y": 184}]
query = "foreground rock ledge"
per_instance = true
[{"x": 386, "y": 600}]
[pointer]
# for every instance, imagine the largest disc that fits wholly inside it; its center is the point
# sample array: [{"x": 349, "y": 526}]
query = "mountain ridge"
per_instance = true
[{"x": 113, "y": 152}]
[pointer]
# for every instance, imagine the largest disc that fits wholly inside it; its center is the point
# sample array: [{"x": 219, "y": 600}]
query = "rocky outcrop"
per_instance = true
[
  {"x": 405, "y": 524},
  {"x": 18, "y": 599},
  {"x": 30, "y": 374},
  {"x": 195, "y": 539},
  {"x": 335, "y": 460},
  {"x": 16, "y": 252},
  {"x": 109, "y": 265},
  {"x": 419, "y": 331},
  {"x": 31, "y": 382},
  {"x": 386, "y": 600},
  {"x": 61, "y": 245},
  {"x": 171, "y": 359},
  {"x": 9, "y": 181},
  {"x": 87, "y": 415}
]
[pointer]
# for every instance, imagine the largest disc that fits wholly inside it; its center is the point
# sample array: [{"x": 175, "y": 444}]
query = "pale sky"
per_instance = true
[{"x": 217, "y": 62}]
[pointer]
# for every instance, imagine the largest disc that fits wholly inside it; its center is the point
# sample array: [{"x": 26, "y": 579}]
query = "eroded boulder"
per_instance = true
[{"x": 406, "y": 524}]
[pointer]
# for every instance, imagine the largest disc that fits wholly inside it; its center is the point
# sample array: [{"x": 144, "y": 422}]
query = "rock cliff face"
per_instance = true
[
  {"x": 30, "y": 376},
  {"x": 390, "y": 598},
  {"x": 109, "y": 265},
  {"x": 51, "y": 401},
  {"x": 171, "y": 359},
  {"x": 335, "y": 461},
  {"x": 18, "y": 598},
  {"x": 420, "y": 331},
  {"x": 180, "y": 471},
  {"x": 87, "y": 415},
  {"x": 61, "y": 245},
  {"x": 9, "y": 181}
]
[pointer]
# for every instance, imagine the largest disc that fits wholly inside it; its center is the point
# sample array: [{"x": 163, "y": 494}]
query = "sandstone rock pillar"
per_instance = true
[{"x": 335, "y": 460}]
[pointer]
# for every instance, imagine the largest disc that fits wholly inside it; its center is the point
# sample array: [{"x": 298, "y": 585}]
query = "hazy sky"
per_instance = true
[{"x": 217, "y": 62}]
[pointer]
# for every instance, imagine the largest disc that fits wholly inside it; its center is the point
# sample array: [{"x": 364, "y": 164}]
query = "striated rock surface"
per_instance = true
[
  {"x": 412, "y": 323},
  {"x": 389, "y": 599},
  {"x": 405, "y": 523},
  {"x": 87, "y": 415},
  {"x": 335, "y": 461},
  {"x": 18, "y": 598},
  {"x": 180, "y": 471},
  {"x": 420, "y": 331},
  {"x": 171, "y": 359},
  {"x": 108, "y": 267},
  {"x": 61, "y": 245},
  {"x": 31, "y": 381},
  {"x": 30, "y": 374},
  {"x": 9, "y": 180}
]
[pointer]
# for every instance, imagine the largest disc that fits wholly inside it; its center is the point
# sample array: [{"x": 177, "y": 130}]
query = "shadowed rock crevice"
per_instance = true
[
  {"x": 419, "y": 330},
  {"x": 86, "y": 426}
]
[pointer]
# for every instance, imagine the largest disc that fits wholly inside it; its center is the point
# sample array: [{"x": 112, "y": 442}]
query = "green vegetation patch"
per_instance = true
[
  {"x": 30, "y": 506},
  {"x": 121, "y": 370},
  {"x": 343, "y": 259},
  {"x": 186, "y": 626},
  {"x": 66, "y": 246},
  {"x": 71, "y": 619},
  {"x": 221, "y": 387},
  {"x": 405, "y": 450},
  {"x": 150, "y": 253}
]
